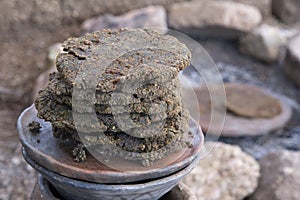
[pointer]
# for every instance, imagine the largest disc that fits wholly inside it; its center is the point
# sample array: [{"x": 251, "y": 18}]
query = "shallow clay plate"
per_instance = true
[
  {"x": 55, "y": 155},
  {"x": 237, "y": 125}
]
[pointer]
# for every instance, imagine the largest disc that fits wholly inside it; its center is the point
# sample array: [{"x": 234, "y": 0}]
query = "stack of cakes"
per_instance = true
[{"x": 119, "y": 88}]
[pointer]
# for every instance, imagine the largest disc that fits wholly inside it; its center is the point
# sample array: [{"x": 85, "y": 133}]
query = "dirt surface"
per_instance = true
[
  {"x": 27, "y": 53},
  {"x": 17, "y": 177}
]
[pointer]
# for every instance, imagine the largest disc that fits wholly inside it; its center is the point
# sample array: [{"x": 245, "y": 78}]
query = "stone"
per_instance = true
[
  {"x": 151, "y": 16},
  {"x": 287, "y": 10},
  {"x": 217, "y": 19},
  {"x": 54, "y": 13},
  {"x": 292, "y": 60},
  {"x": 81, "y": 10},
  {"x": 280, "y": 176},
  {"x": 180, "y": 192},
  {"x": 265, "y": 43},
  {"x": 225, "y": 173},
  {"x": 263, "y": 5},
  {"x": 53, "y": 51}
]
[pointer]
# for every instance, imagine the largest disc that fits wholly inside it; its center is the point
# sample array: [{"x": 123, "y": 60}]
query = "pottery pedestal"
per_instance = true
[{"x": 94, "y": 180}]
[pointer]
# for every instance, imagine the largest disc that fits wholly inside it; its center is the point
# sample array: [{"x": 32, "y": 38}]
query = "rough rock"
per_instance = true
[
  {"x": 54, "y": 13},
  {"x": 265, "y": 43},
  {"x": 217, "y": 19},
  {"x": 151, "y": 16},
  {"x": 263, "y": 5},
  {"x": 180, "y": 192},
  {"x": 87, "y": 9},
  {"x": 292, "y": 60},
  {"x": 287, "y": 10},
  {"x": 280, "y": 177},
  {"x": 226, "y": 173}
]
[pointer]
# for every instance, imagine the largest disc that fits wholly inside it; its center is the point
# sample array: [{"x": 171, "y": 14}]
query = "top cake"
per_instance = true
[{"x": 110, "y": 55}]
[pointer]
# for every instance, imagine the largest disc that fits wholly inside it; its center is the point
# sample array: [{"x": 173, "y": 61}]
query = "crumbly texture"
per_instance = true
[
  {"x": 79, "y": 153},
  {"x": 145, "y": 92},
  {"x": 149, "y": 99},
  {"x": 110, "y": 55},
  {"x": 34, "y": 127},
  {"x": 62, "y": 116},
  {"x": 118, "y": 90},
  {"x": 169, "y": 131}
]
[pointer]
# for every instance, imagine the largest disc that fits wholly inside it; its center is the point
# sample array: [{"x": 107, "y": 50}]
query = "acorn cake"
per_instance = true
[{"x": 123, "y": 89}]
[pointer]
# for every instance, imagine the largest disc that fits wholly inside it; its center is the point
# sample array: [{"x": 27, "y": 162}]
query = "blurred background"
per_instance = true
[{"x": 253, "y": 42}]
